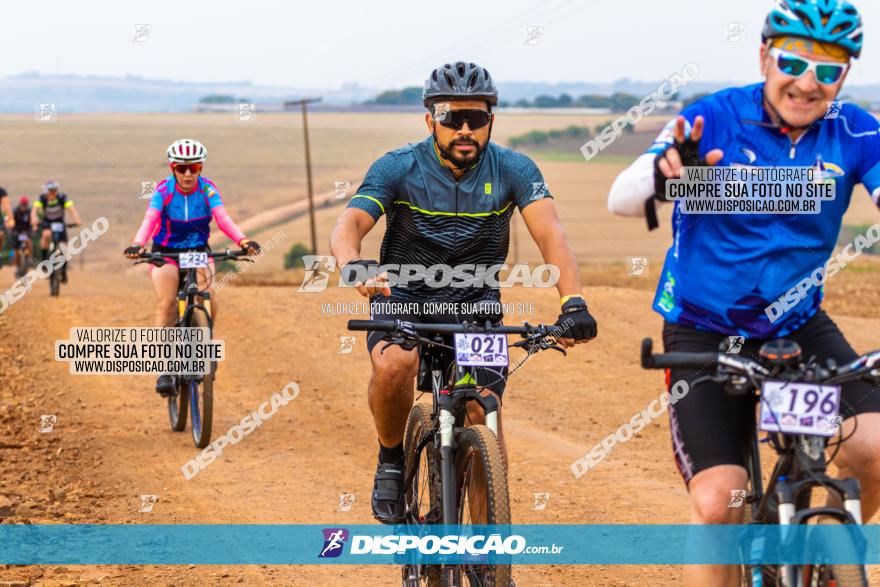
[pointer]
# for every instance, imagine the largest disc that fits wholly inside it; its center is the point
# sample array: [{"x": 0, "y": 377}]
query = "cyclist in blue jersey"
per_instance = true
[
  {"x": 178, "y": 218},
  {"x": 724, "y": 273},
  {"x": 448, "y": 201}
]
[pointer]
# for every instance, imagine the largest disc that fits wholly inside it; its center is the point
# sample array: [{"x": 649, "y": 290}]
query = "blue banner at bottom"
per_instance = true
[{"x": 234, "y": 544}]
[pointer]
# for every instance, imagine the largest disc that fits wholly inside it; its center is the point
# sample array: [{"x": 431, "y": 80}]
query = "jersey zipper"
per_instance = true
[
  {"x": 186, "y": 208},
  {"x": 455, "y": 223},
  {"x": 792, "y": 152}
]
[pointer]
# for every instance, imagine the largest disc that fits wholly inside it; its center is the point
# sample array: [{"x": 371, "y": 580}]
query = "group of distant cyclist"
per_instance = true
[{"x": 26, "y": 223}]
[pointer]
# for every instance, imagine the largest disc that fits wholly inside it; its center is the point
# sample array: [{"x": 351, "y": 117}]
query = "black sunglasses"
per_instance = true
[{"x": 455, "y": 119}]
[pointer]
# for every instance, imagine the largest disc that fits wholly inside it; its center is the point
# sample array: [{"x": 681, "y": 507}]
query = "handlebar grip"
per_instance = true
[
  {"x": 377, "y": 325},
  {"x": 676, "y": 360}
]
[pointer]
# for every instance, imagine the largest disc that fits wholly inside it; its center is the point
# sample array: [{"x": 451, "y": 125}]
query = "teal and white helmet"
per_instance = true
[{"x": 836, "y": 22}]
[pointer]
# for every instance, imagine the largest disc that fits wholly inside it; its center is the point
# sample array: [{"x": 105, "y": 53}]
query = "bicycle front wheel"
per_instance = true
[
  {"x": 482, "y": 497},
  {"x": 421, "y": 496},
  {"x": 178, "y": 406},
  {"x": 201, "y": 394},
  {"x": 54, "y": 283},
  {"x": 836, "y": 575}
]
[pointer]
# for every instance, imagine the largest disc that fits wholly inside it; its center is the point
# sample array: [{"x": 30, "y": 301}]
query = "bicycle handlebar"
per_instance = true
[
  {"x": 865, "y": 366},
  {"x": 675, "y": 360},
  {"x": 159, "y": 258},
  {"x": 401, "y": 325}
]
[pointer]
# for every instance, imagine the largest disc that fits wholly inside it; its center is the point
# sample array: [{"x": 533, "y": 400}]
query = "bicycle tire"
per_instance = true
[
  {"x": 54, "y": 285},
  {"x": 178, "y": 406},
  {"x": 478, "y": 458},
  {"x": 201, "y": 393},
  {"x": 425, "y": 480},
  {"x": 838, "y": 575}
]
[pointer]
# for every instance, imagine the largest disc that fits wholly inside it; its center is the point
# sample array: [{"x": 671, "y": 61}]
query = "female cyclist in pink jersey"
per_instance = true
[{"x": 179, "y": 219}]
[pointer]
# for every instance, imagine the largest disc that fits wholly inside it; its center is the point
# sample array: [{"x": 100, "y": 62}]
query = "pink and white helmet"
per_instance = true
[{"x": 187, "y": 151}]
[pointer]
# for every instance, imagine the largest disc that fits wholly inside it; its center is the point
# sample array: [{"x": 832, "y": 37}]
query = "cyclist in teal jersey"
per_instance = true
[{"x": 448, "y": 201}]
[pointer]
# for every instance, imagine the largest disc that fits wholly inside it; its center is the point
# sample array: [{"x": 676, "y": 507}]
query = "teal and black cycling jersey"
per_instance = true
[
  {"x": 724, "y": 270},
  {"x": 432, "y": 218}
]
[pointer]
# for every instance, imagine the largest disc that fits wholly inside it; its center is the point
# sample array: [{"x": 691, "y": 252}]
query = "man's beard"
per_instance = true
[{"x": 450, "y": 154}]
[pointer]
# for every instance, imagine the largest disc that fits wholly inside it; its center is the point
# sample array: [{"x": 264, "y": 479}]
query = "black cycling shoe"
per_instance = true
[
  {"x": 165, "y": 386},
  {"x": 387, "y": 498}
]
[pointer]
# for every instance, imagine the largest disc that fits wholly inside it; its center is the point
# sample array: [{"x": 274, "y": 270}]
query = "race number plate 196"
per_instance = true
[
  {"x": 800, "y": 408},
  {"x": 193, "y": 260},
  {"x": 481, "y": 350},
  {"x": 56, "y": 226}
]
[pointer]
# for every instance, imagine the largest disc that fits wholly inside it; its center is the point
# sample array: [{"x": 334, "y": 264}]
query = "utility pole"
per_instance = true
[{"x": 302, "y": 103}]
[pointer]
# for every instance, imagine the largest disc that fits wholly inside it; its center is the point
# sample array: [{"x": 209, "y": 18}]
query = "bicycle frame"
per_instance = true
[
  {"x": 186, "y": 298},
  {"x": 449, "y": 411},
  {"x": 187, "y": 304},
  {"x": 801, "y": 466}
]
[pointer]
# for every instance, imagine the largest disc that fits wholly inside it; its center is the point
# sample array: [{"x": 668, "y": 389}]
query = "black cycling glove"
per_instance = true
[
  {"x": 133, "y": 250},
  {"x": 249, "y": 244},
  {"x": 575, "y": 320},
  {"x": 358, "y": 271},
  {"x": 688, "y": 151}
]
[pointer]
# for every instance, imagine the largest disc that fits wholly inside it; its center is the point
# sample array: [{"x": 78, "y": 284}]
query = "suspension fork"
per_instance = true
[
  {"x": 451, "y": 407},
  {"x": 447, "y": 461}
]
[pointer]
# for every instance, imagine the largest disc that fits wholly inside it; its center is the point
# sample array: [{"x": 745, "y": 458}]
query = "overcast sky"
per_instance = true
[{"x": 394, "y": 43}]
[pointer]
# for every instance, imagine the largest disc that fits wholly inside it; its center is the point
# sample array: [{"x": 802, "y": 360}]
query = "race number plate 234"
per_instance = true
[
  {"x": 800, "y": 408},
  {"x": 481, "y": 350},
  {"x": 193, "y": 260}
]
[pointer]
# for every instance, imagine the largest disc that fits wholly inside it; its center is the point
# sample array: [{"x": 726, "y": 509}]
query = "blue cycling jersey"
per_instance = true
[
  {"x": 186, "y": 218},
  {"x": 723, "y": 270}
]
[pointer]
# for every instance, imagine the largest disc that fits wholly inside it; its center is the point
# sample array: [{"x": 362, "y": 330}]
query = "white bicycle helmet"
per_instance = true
[
  {"x": 187, "y": 151},
  {"x": 51, "y": 185}
]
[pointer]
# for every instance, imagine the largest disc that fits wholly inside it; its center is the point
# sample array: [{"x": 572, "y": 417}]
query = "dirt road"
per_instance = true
[{"x": 111, "y": 442}]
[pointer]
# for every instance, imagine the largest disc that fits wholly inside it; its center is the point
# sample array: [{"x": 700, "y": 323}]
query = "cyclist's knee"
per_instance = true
[
  {"x": 717, "y": 495},
  {"x": 166, "y": 304},
  {"x": 395, "y": 365}
]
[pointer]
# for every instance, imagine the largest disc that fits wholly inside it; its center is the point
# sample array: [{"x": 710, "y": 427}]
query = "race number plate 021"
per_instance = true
[
  {"x": 800, "y": 408},
  {"x": 193, "y": 260},
  {"x": 56, "y": 226},
  {"x": 481, "y": 350}
]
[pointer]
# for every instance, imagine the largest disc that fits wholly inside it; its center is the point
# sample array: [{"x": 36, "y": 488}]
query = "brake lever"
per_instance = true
[{"x": 556, "y": 347}]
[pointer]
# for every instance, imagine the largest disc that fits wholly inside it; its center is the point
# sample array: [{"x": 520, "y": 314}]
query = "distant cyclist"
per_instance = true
[
  {"x": 21, "y": 235},
  {"x": 49, "y": 209},
  {"x": 723, "y": 271},
  {"x": 448, "y": 201},
  {"x": 178, "y": 218},
  {"x": 5, "y": 217}
]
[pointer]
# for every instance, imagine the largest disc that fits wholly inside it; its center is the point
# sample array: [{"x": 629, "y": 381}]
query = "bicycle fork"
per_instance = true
[
  {"x": 450, "y": 403},
  {"x": 787, "y": 494}
]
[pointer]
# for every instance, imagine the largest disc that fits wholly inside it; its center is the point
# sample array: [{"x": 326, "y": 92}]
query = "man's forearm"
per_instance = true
[
  {"x": 558, "y": 253},
  {"x": 344, "y": 245}
]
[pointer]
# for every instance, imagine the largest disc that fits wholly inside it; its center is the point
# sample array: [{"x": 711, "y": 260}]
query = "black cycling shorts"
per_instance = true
[
  {"x": 393, "y": 308},
  {"x": 17, "y": 243},
  {"x": 712, "y": 428}
]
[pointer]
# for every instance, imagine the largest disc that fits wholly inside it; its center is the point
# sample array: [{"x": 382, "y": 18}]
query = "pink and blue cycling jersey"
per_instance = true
[{"x": 176, "y": 220}]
